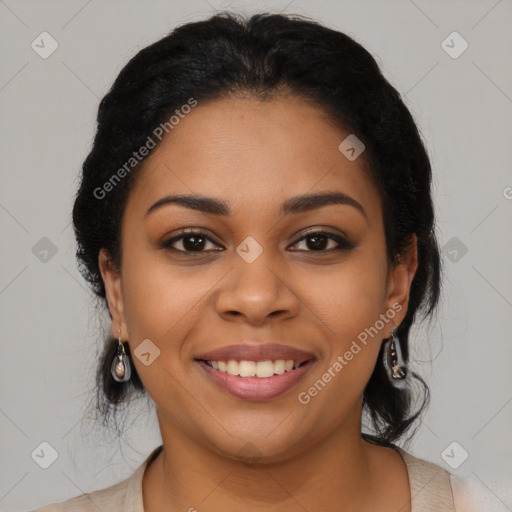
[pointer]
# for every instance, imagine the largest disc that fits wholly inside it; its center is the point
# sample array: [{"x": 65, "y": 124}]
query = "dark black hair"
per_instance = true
[{"x": 266, "y": 55}]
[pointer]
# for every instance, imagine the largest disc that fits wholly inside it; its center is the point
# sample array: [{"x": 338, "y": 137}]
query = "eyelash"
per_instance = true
[{"x": 343, "y": 243}]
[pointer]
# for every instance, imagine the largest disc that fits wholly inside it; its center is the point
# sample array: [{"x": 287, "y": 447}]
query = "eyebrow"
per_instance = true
[{"x": 293, "y": 205}]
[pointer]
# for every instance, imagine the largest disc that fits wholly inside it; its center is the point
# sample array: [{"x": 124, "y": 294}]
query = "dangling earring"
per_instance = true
[
  {"x": 120, "y": 368},
  {"x": 393, "y": 361}
]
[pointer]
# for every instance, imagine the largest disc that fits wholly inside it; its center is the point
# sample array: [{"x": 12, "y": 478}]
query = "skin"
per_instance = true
[{"x": 254, "y": 155}]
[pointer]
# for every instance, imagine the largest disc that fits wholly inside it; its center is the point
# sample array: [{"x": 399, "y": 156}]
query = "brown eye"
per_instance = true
[
  {"x": 316, "y": 241},
  {"x": 323, "y": 241},
  {"x": 190, "y": 242}
]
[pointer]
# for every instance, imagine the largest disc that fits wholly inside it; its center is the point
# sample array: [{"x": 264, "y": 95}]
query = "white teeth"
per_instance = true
[
  {"x": 261, "y": 369},
  {"x": 279, "y": 366},
  {"x": 264, "y": 369},
  {"x": 232, "y": 367},
  {"x": 247, "y": 368}
]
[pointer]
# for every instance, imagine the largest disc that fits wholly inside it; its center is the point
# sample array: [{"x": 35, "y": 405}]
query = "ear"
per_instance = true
[
  {"x": 400, "y": 278},
  {"x": 113, "y": 288}
]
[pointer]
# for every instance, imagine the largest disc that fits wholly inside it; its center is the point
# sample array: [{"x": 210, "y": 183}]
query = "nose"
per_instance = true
[{"x": 257, "y": 292}]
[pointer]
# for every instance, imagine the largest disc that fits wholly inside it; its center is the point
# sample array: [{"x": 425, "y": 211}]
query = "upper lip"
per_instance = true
[{"x": 256, "y": 352}]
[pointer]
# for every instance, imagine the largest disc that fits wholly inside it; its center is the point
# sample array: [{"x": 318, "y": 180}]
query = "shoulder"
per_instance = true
[
  {"x": 430, "y": 484},
  {"x": 124, "y": 496},
  {"x": 470, "y": 494},
  {"x": 108, "y": 499}
]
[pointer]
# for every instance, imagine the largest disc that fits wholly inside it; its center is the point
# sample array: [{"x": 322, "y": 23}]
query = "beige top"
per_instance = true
[{"x": 430, "y": 490}]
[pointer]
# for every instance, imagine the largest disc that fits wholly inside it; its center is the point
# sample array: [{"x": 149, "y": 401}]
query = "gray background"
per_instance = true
[{"x": 50, "y": 329}]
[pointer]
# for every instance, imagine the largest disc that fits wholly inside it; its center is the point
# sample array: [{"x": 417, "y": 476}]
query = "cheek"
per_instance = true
[
  {"x": 171, "y": 306},
  {"x": 159, "y": 296},
  {"x": 349, "y": 304},
  {"x": 163, "y": 305},
  {"x": 347, "y": 298}
]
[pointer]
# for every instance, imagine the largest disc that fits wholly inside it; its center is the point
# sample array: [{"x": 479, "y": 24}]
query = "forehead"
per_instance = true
[{"x": 253, "y": 154}]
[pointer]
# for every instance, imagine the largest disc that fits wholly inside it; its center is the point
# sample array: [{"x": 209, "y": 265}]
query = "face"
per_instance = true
[{"x": 258, "y": 274}]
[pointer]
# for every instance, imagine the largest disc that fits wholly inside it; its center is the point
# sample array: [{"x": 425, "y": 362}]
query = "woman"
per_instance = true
[{"x": 256, "y": 214}]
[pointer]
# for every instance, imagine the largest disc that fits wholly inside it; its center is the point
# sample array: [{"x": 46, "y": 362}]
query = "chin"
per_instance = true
[{"x": 255, "y": 443}]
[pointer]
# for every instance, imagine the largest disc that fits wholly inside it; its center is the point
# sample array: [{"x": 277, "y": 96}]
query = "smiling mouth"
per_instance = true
[
  {"x": 259, "y": 369},
  {"x": 256, "y": 380}
]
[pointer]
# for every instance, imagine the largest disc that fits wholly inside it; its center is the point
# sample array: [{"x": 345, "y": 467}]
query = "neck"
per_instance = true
[{"x": 337, "y": 473}]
